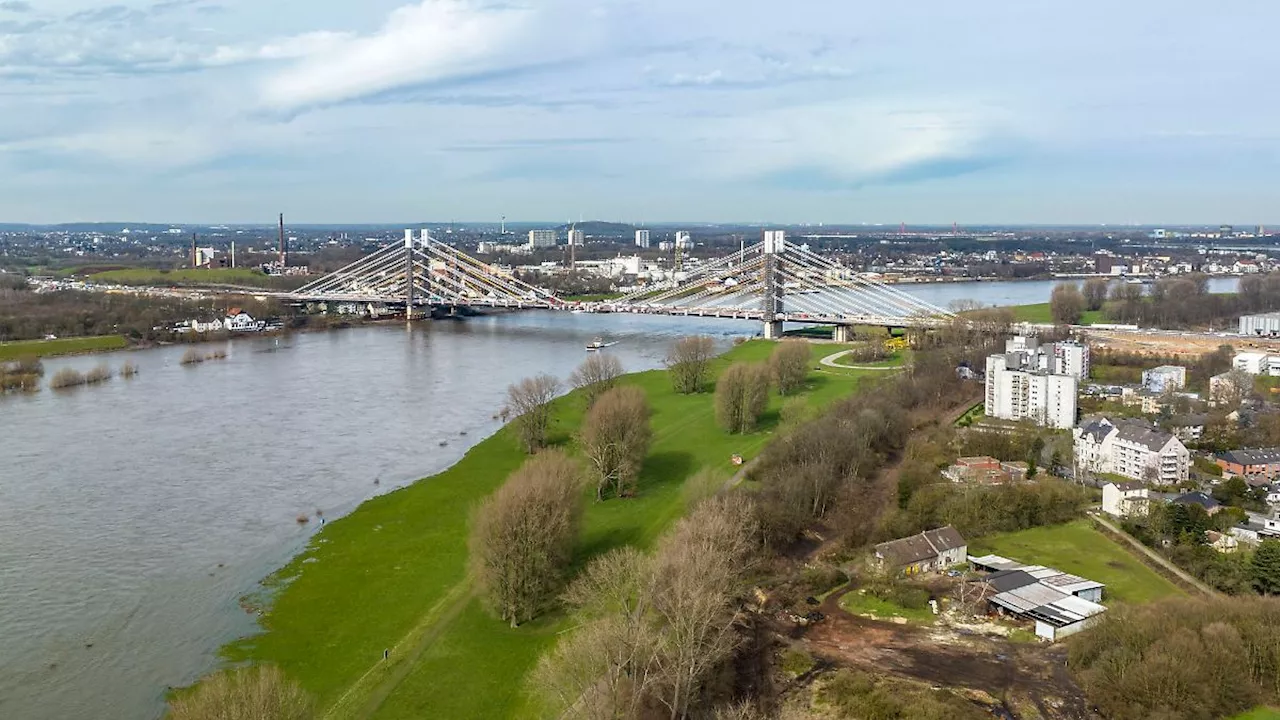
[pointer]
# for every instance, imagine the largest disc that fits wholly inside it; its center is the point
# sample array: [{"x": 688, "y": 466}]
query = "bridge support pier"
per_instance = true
[
  {"x": 843, "y": 334},
  {"x": 773, "y": 330}
]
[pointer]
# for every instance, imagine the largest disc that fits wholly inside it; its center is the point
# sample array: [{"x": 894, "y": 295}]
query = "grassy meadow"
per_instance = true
[
  {"x": 61, "y": 346},
  {"x": 1080, "y": 550},
  {"x": 393, "y": 574}
]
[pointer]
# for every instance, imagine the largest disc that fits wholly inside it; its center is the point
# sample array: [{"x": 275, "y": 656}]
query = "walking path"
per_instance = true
[
  {"x": 1154, "y": 557},
  {"x": 830, "y": 361}
]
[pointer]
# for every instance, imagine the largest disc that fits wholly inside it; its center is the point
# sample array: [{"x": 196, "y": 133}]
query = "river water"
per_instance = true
[{"x": 134, "y": 514}]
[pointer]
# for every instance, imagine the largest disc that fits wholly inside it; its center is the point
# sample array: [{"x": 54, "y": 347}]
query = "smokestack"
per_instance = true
[
  {"x": 284, "y": 247},
  {"x": 195, "y": 257},
  {"x": 233, "y": 253}
]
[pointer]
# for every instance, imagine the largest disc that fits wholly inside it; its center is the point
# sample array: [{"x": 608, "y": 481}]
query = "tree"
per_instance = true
[
  {"x": 741, "y": 395},
  {"x": 596, "y": 374},
  {"x": 1095, "y": 293},
  {"x": 615, "y": 438},
  {"x": 689, "y": 361},
  {"x": 530, "y": 402},
  {"x": 1066, "y": 304},
  {"x": 522, "y": 536},
  {"x": 790, "y": 365},
  {"x": 1265, "y": 567},
  {"x": 261, "y": 691}
]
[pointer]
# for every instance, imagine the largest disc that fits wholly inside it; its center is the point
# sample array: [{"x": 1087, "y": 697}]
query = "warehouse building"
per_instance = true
[
  {"x": 1060, "y": 604},
  {"x": 1265, "y": 324}
]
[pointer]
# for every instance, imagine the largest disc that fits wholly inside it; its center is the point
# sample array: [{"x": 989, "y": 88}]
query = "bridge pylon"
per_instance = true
[{"x": 773, "y": 300}]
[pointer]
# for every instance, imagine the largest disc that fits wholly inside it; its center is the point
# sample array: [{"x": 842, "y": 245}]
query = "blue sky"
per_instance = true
[{"x": 640, "y": 110}]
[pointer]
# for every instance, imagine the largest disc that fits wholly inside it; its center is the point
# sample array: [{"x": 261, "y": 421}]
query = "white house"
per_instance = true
[
  {"x": 238, "y": 320},
  {"x": 1129, "y": 499},
  {"x": 929, "y": 551},
  {"x": 1132, "y": 449},
  {"x": 1165, "y": 378}
]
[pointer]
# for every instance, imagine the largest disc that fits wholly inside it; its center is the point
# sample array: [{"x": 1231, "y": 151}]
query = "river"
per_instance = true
[{"x": 135, "y": 514}]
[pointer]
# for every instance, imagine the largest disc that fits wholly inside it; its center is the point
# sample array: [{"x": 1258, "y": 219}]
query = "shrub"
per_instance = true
[
  {"x": 128, "y": 370},
  {"x": 99, "y": 374},
  {"x": 191, "y": 357},
  {"x": 66, "y": 378},
  {"x": 251, "y": 692},
  {"x": 742, "y": 393},
  {"x": 790, "y": 365}
]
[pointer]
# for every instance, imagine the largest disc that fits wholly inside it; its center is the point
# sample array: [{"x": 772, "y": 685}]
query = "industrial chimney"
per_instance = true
[
  {"x": 195, "y": 256},
  {"x": 284, "y": 247}
]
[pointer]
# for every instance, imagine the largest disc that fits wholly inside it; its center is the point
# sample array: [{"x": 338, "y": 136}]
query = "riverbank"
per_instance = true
[
  {"x": 392, "y": 575},
  {"x": 61, "y": 346}
]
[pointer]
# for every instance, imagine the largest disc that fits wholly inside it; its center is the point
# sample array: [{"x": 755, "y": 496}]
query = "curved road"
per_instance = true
[{"x": 830, "y": 361}]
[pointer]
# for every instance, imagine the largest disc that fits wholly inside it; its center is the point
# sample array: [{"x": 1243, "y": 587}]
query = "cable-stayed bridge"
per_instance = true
[{"x": 771, "y": 282}]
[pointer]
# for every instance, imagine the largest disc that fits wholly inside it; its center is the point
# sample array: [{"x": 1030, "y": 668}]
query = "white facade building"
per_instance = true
[
  {"x": 1132, "y": 449},
  {"x": 542, "y": 238},
  {"x": 1130, "y": 499},
  {"x": 1166, "y": 378},
  {"x": 1070, "y": 358},
  {"x": 642, "y": 239},
  {"x": 683, "y": 240},
  {"x": 577, "y": 238},
  {"x": 1016, "y": 391}
]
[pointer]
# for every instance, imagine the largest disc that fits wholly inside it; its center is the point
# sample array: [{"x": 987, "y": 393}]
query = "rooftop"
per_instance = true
[
  {"x": 925, "y": 546},
  {"x": 1258, "y": 456}
]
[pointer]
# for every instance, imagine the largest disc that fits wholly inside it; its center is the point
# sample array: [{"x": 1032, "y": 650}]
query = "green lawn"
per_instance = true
[
  {"x": 862, "y": 603},
  {"x": 1079, "y": 549},
  {"x": 1260, "y": 713},
  {"x": 61, "y": 346},
  {"x": 1041, "y": 314},
  {"x": 195, "y": 276},
  {"x": 392, "y": 575}
]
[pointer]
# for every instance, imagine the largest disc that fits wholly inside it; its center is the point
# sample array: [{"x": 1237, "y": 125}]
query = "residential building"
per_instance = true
[
  {"x": 986, "y": 471},
  {"x": 1070, "y": 357},
  {"x": 1132, "y": 449},
  {"x": 1255, "y": 463},
  {"x": 576, "y": 237},
  {"x": 1128, "y": 499},
  {"x": 1210, "y": 505},
  {"x": 542, "y": 238},
  {"x": 1188, "y": 428},
  {"x": 1226, "y": 389},
  {"x": 1058, "y": 603},
  {"x": 929, "y": 551},
  {"x": 1222, "y": 542},
  {"x": 1166, "y": 378},
  {"x": 642, "y": 239},
  {"x": 683, "y": 240},
  {"x": 1254, "y": 363},
  {"x": 1016, "y": 390}
]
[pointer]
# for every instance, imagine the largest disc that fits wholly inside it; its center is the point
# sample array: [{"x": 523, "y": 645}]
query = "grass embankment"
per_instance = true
[
  {"x": 1262, "y": 713},
  {"x": 196, "y": 276},
  {"x": 1040, "y": 313},
  {"x": 864, "y": 603},
  {"x": 393, "y": 574},
  {"x": 1080, "y": 550},
  {"x": 61, "y": 346}
]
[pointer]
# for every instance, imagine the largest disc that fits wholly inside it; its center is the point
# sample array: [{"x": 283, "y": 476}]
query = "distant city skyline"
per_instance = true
[{"x": 228, "y": 111}]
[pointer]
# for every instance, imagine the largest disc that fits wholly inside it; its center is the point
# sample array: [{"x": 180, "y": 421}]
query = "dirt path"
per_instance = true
[
  {"x": 1151, "y": 556},
  {"x": 830, "y": 361}
]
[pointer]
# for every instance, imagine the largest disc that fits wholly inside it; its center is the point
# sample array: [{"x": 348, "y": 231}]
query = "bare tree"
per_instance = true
[
  {"x": 1095, "y": 293},
  {"x": 790, "y": 365},
  {"x": 596, "y": 374},
  {"x": 1066, "y": 304},
  {"x": 262, "y": 691},
  {"x": 522, "y": 536},
  {"x": 742, "y": 392},
  {"x": 615, "y": 438},
  {"x": 689, "y": 362},
  {"x": 698, "y": 572},
  {"x": 529, "y": 401}
]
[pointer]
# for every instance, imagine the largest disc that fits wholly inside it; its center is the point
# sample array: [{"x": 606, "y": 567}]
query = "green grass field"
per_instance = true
[
  {"x": 1261, "y": 713},
  {"x": 61, "y": 346},
  {"x": 392, "y": 575},
  {"x": 860, "y": 603},
  {"x": 195, "y": 276},
  {"x": 1041, "y": 314},
  {"x": 1079, "y": 549}
]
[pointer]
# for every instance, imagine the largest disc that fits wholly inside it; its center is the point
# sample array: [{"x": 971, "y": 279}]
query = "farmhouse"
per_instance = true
[
  {"x": 929, "y": 551},
  {"x": 1060, "y": 604}
]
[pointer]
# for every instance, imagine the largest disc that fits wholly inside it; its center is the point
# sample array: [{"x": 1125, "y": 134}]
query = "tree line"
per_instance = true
[{"x": 1182, "y": 301}]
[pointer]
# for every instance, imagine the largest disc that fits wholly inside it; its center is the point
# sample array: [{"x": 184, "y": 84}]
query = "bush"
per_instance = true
[
  {"x": 742, "y": 393},
  {"x": 66, "y": 378},
  {"x": 99, "y": 374},
  {"x": 790, "y": 365},
  {"x": 796, "y": 662},
  {"x": 261, "y": 692},
  {"x": 191, "y": 357}
]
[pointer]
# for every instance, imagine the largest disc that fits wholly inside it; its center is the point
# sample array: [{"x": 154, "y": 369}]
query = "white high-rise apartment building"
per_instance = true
[
  {"x": 542, "y": 238},
  {"x": 1016, "y": 391},
  {"x": 642, "y": 239},
  {"x": 1070, "y": 358},
  {"x": 576, "y": 237},
  {"x": 683, "y": 239}
]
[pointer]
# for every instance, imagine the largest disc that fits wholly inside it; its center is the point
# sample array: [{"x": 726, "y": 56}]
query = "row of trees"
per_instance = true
[
  {"x": 654, "y": 629},
  {"x": 1175, "y": 302},
  {"x": 1181, "y": 658}
]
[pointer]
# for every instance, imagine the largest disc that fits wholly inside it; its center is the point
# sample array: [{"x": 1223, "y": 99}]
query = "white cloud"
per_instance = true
[{"x": 435, "y": 40}]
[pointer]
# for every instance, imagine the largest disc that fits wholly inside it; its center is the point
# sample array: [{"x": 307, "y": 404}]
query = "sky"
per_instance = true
[{"x": 842, "y": 111}]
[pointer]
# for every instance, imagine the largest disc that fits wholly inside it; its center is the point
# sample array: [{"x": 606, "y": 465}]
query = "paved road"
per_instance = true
[{"x": 1154, "y": 556}]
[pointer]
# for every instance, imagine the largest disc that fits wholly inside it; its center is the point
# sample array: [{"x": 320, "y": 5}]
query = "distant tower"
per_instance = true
[
  {"x": 284, "y": 246},
  {"x": 504, "y": 225},
  {"x": 233, "y": 253},
  {"x": 195, "y": 257},
  {"x": 955, "y": 228},
  {"x": 902, "y": 229}
]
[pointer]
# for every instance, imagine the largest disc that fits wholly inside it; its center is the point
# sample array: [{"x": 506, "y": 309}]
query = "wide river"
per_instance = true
[{"x": 135, "y": 514}]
